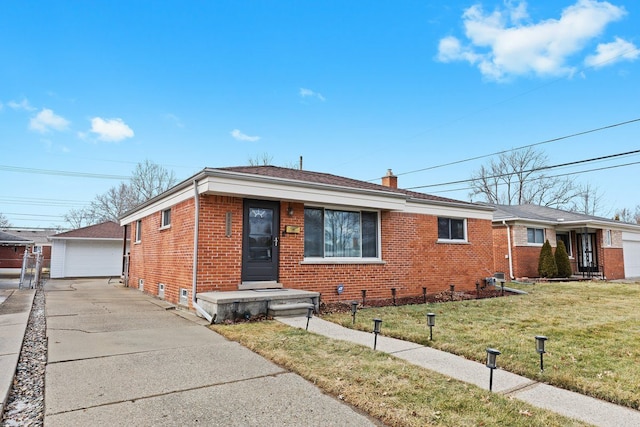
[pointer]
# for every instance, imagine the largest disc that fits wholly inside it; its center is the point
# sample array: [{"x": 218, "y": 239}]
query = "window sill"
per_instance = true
[
  {"x": 137, "y": 242},
  {"x": 536, "y": 245},
  {"x": 165, "y": 227},
  {"x": 453, "y": 242},
  {"x": 347, "y": 261}
]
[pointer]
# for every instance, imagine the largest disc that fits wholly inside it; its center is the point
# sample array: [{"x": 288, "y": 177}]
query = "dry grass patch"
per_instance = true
[
  {"x": 387, "y": 388},
  {"x": 593, "y": 330}
]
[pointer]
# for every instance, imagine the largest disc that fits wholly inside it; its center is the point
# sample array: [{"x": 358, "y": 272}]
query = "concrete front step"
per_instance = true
[
  {"x": 247, "y": 303},
  {"x": 298, "y": 309}
]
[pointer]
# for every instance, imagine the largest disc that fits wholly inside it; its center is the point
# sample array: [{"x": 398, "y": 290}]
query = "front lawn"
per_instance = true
[
  {"x": 593, "y": 330},
  {"x": 387, "y": 388}
]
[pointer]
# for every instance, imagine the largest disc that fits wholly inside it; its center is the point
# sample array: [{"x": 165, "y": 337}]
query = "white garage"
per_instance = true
[
  {"x": 94, "y": 251},
  {"x": 631, "y": 249}
]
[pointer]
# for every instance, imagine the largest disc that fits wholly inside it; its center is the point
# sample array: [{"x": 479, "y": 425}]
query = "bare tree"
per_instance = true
[
  {"x": 627, "y": 215},
  {"x": 4, "y": 221},
  {"x": 518, "y": 177},
  {"x": 588, "y": 201},
  {"x": 264, "y": 159},
  {"x": 148, "y": 180}
]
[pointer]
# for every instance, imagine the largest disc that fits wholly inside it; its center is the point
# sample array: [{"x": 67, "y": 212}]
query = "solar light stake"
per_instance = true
[
  {"x": 424, "y": 294},
  {"x": 452, "y": 289},
  {"x": 477, "y": 289},
  {"x": 309, "y": 316},
  {"x": 354, "y": 310},
  {"x": 540, "y": 349},
  {"x": 492, "y": 353},
  {"x": 431, "y": 322},
  {"x": 393, "y": 295},
  {"x": 502, "y": 287},
  {"x": 376, "y": 331},
  {"x": 364, "y": 296}
]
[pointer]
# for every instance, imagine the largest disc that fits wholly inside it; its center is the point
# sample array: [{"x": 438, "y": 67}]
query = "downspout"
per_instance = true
[
  {"x": 194, "y": 278},
  {"x": 509, "y": 249}
]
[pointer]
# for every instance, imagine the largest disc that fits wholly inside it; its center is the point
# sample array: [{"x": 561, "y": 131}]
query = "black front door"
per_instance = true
[
  {"x": 587, "y": 254},
  {"x": 260, "y": 240}
]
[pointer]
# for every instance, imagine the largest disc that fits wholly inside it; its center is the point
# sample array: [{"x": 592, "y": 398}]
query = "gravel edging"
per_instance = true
[{"x": 25, "y": 405}]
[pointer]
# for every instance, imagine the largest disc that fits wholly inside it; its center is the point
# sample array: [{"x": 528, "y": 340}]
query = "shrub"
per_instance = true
[
  {"x": 562, "y": 260},
  {"x": 547, "y": 264}
]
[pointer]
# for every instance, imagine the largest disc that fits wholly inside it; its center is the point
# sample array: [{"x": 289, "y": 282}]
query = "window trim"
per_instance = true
[
  {"x": 608, "y": 238},
  {"x": 347, "y": 260},
  {"x": 138, "y": 231},
  {"x": 465, "y": 230},
  {"x": 165, "y": 218},
  {"x": 534, "y": 243}
]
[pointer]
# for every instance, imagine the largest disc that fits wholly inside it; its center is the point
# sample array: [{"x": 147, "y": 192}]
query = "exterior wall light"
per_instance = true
[
  {"x": 376, "y": 330},
  {"x": 290, "y": 210},
  {"x": 492, "y": 353},
  {"x": 431, "y": 322},
  {"x": 540, "y": 349},
  {"x": 309, "y": 316},
  {"x": 354, "y": 310}
]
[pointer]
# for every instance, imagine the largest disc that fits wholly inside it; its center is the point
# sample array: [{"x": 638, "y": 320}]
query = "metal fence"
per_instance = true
[{"x": 31, "y": 273}]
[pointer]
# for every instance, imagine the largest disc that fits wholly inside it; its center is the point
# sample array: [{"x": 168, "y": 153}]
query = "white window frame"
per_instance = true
[
  {"x": 349, "y": 260},
  {"x": 138, "y": 231},
  {"x": 165, "y": 218},
  {"x": 465, "y": 238},
  {"x": 608, "y": 238},
  {"x": 36, "y": 249},
  {"x": 534, "y": 243}
]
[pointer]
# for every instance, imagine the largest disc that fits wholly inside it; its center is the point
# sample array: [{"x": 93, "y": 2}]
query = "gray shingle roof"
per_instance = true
[
  {"x": 10, "y": 239},
  {"x": 105, "y": 230},
  {"x": 543, "y": 213}
]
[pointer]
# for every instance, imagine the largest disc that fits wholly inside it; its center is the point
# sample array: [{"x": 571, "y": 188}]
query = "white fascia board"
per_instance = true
[
  {"x": 102, "y": 239},
  {"x": 449, "y": 210},
  {"x": 305, "y": 192},
  {"x": 160, "y": 204}
]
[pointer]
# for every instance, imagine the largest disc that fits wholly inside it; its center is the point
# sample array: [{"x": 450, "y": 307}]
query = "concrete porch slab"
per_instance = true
[{"x": 220, "y": 305}]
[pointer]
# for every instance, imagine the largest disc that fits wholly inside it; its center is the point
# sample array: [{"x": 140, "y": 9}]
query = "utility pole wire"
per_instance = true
[
  {"x": 524, "y": 146},
  {"x": 577, "y": 162}
]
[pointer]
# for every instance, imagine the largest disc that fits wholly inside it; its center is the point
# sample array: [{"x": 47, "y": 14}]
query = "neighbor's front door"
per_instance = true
[{"x": 260, "y": 240}]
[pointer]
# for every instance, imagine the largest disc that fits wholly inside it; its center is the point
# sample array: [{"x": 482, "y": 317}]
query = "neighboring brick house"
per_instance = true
[
  {"x": 39, "y": 237},
  {"x": 12, "y": 252},
  {"x": 596, "y": 246},
  {"x": 265, "y": 226}
]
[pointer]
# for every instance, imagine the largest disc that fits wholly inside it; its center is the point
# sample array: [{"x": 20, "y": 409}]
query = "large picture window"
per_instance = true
[
  {"x": 451, "y": 229},
  {"x": 330, "y": 233}
]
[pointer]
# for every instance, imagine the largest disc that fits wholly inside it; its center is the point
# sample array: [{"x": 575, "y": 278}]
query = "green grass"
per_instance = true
[
  {"x": 389, "y": 389},
  {"x": 593, "y": 330}
]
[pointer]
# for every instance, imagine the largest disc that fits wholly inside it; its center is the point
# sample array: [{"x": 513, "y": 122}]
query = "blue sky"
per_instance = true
[{"x": 356, "y": 88}]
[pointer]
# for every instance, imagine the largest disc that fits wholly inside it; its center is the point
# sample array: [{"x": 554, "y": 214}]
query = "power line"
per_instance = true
[
  {"x": 520, "y": 148},
  {"x": 62, "y": 173},
  {"x": 577, "y": 162},
  {"x": 551, "y": 176}
]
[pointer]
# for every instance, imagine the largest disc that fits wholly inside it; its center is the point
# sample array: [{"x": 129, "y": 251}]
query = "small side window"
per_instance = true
[
  {"x": 138, "y": 231},
  {"x": 166, "y": 218}
]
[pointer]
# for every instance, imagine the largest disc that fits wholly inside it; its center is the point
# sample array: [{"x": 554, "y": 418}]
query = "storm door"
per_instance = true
[
  {"x": 587, "y": 254},
  {"x": 260, "y": 240}
]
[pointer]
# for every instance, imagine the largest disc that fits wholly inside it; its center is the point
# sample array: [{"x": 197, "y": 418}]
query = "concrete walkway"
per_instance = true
[
  {"x": 119, "y": 357},
  {"x": 570, "y": 404},
  {"x": 15, "y": 307}
]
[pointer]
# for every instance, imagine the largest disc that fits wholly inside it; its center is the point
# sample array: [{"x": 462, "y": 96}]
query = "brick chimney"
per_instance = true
[{"x": 390, "y": 180}]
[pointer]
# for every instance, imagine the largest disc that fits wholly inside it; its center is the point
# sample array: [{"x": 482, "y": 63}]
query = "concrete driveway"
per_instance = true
[{"x": 119, "y": 357}]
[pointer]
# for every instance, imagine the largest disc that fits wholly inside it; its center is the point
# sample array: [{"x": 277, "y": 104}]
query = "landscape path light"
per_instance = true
[
  {"x": 431, "y": 322},
  {"x": 424, "y": 294},
  {"x": 354, "y": 310},
  {"x": 540, "y": 339},
  {"x": 393, "y": 295},
  {"x": 376, "y": 330},
  {"x": 492, "y": 353},
  {"x": 236, "y": 308},
  {"x": 477, "y": 289},
  {"x": 502, "y": 287},
  {"x": 309, "y": 316},
  {"x": 364, "y": 296},
  {"x": 452, "y": 288}
]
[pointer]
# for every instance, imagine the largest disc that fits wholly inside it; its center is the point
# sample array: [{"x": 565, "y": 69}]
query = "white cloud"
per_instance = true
[
  {"x": 306, "y": 93},
  {"x": 610, "y": 53},
  {"x": 46, "y": 120},
  {"x": 112, "y": 130},
  {"x": 22, "y": 105},
  {"x": 174, "y": 119},
  {"x": 236, "y": 134},
  {"x": 503, "y": 43}
]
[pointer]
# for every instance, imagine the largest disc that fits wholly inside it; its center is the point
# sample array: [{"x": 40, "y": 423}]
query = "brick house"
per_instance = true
[
  {"x": 596, "y": 246},
  {"x": 246, "y": 228},
  {"x": 12, "y": 250}
]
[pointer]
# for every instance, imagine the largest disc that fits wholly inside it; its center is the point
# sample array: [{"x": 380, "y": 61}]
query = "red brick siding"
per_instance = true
[
  {"x": 501, "y": 249},
  {"x": 412, "y": 257},
  {"x": 613, "y": 263},
  {"x": 12, "y": 256}
]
